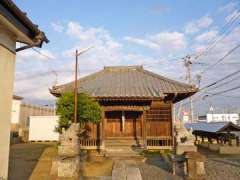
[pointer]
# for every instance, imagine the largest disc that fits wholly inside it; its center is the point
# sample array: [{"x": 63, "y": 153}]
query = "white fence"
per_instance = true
[{"x": 42, "y": 128}]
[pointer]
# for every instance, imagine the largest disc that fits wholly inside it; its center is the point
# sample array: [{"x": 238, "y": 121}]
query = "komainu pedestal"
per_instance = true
[
  {"x": 185, "y": 140},
  {"x": 67, "y": 164},
  {"x": 69, "y": 141},
  {"x": 195, "y": 165}
]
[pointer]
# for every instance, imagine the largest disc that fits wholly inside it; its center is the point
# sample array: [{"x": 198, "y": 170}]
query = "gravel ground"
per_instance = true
[
  {"x": 218, "y": 169},
  {"x": 23, "y": 159},
  {"x": 151, "y": 172},
  {"x": 156, "y": 168},
  {"x": 221, "y": 167}
]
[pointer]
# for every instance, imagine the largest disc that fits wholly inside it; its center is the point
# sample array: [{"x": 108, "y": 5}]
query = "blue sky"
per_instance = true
[{"x": 152, "y": 33}]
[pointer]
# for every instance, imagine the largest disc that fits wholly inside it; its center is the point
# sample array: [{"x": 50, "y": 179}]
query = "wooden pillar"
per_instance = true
[
  {"x": 196, "y": 139},
  {"x": 144, "y": 128},
  {"x": 172, "y": 124},
  {"x": 103, "y": 129}
]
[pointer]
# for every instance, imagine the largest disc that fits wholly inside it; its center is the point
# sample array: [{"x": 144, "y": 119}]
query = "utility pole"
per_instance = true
[
  {"x": 75, "y": 87},
  {"x": 56, "y": 77},
  {"x": 77, "y": 53},
  {"x": 188, "y": 65}
]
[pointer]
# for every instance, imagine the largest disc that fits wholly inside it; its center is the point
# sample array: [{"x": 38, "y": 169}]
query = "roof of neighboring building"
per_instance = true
[
  {"x": 17, "y": 97},
  {"x": 13, "y": 14},
  {"x": 213, "y": 127},
  {"x": 126, "y": 81}
]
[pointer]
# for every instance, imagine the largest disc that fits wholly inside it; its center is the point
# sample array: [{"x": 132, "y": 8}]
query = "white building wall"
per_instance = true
[
  {"x": 15, "y": 111},
  {"x": 27, "y": 110},
  {"x": 234, "y": 117},
  {"x": 42, "y": 128},
  {"x": 7, "y": 65}
]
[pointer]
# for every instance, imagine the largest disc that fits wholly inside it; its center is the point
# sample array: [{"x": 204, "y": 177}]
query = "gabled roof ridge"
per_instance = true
[
  {"x": 134, "y": 67},
  {"x": 127, "y": 81},
  {"x": 139, "y": 68}
]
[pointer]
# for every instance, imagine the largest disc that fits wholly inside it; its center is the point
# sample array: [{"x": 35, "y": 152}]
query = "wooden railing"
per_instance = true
[
  {"x": 160, "y": 142},
  {"x": 90, "y": 143},
  {"x": 164, "y": 142}
]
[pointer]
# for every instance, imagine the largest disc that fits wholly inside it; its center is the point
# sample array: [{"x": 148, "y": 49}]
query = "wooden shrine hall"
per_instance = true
[{"x": 137, "y": 106}]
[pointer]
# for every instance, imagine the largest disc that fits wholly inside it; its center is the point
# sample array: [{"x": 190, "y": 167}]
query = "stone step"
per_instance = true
[
  {"x": 125, "y": 151},
  {"x": 121, "y": 155},
  {"x": 122, "y": 143},
  {"x": 126, "y": 170}
]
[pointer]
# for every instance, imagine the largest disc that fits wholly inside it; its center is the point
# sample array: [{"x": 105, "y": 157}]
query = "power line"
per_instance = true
[
  {"x": 224, "y": 91},
  {"x": 226, "y": 31},
  {"x": 222, "y": 79},
  {"x": 223, "y": 30},
  {"x": 201, "y": 97},
  {"x": 225, "y": 83},
  {"x": 159, "y": 62},
  {"x": 227, "y": 96},
  {"x": 46, "y": 73},
  {"x": 221, "y": 59},
  {"x": 42, "y": 54}
]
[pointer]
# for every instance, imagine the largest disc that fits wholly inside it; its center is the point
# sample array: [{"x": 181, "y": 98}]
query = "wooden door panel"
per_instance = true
[{"x": 132, "y": 126}]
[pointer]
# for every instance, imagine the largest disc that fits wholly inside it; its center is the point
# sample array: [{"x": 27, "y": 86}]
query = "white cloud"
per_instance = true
[
  {"x": 41, "y": 54},
  {"x": 106, "y": 49},
  {"x": 109, "y": 51},
  {"x": 207, "y": 36},
  {"x": 57, "y": 27},
  {"x": 195, "y": 26},
  {"x": 216, "y": 52},
  {"x": 96, "y": 36},
  {"x": 233, "y": 16},
  {"x": 229, "y": 7},
  {"x": 34, "y": 74},
  {"x": 143, "y": 42},
  {"x": 164, "y": 42}
]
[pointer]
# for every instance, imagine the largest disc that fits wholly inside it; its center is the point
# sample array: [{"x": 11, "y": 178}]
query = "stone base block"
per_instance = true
[
  {"x": 180, "y": 149},
  {"x": 214, "y": 147},
  {"x": 133, "y": 173},
  {"x": 229, "y": 149},
  {"x": 204, "y": 144},
  {"x": 66, "y": 167},
  {"x": 68, "y": 150},
  {"x": 195, "y": 165},
  {"x": 54, "y": 168}
]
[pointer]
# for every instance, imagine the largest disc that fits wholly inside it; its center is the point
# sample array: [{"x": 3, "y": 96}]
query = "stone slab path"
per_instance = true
[{"x": 126, "y": 170}]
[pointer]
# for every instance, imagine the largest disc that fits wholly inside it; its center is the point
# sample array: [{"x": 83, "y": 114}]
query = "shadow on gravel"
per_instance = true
[
  {"x": 159, "y": 162},
  {"x": 23, "y": 159},
  {"x": 226, "y": 162}
]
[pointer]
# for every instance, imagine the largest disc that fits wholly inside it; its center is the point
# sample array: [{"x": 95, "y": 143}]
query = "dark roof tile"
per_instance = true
[{"x": 126, "y": 81}]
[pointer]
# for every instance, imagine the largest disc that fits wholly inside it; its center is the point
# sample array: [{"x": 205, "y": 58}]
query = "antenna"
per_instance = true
[
  {"x": 188, "y": 64},
  {"x": 56, "y": 78}
]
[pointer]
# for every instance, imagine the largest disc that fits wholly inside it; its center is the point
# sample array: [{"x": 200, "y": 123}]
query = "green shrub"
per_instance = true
[{"x": 89, "y": 110}]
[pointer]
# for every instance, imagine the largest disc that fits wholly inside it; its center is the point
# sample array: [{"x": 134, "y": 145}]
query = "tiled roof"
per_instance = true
[
  {"x": 19, "y": 19},
  {"x": 17, "y": 97},
  {"x": 126, "y": 81},
  {"x": 211, "y": 127}
]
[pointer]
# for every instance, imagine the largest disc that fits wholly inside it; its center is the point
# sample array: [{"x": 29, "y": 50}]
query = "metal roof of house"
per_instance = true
[
  {"x": 126, "y": 81},
  {"x": 213, "y": 127},
  {"x": 19, "y": 19},
  {"x": 15, "y": 97}
]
